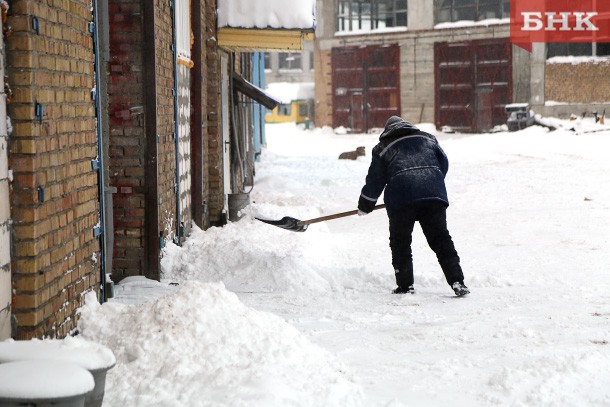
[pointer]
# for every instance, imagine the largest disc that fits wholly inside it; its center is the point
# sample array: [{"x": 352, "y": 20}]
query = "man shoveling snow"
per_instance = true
[{"x": 411, "y": 166}]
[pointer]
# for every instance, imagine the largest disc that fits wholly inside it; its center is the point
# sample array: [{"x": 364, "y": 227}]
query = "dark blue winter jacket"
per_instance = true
[{"x": 409, "y": 164}]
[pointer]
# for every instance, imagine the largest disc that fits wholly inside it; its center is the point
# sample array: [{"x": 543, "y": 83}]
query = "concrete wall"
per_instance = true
[{"x": 5, "y": 239}]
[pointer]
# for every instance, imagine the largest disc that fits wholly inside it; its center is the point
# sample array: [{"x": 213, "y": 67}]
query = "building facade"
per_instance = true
[
  {"x": 127, "y": 121},
  {"x": 448, "y": 62},
  {"x": 290, "y": 66}
]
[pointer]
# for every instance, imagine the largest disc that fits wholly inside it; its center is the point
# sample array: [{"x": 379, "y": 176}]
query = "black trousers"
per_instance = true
[{"x": 432, "y": 217}]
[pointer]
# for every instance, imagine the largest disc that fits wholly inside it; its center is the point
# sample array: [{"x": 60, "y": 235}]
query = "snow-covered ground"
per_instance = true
[{"x": 253, "y": 315}]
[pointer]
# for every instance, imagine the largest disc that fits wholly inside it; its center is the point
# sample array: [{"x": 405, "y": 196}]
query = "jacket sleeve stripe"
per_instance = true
[{"x": 368, "y": 198}]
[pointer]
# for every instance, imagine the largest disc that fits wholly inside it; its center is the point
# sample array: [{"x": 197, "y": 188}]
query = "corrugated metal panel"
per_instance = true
[
  {"x": 366, "y": 85},
  {"x": 473, "y": 83},
  {"x": 5, "y": 235}
]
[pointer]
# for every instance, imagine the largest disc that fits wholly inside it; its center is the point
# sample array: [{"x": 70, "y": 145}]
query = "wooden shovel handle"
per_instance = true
[{"x": 335, "y": 216}]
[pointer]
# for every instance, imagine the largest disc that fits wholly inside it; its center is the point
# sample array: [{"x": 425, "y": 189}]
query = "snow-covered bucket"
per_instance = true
[
  {"x": 44, "y": 383},
  {"x": 93, "y": 357}
]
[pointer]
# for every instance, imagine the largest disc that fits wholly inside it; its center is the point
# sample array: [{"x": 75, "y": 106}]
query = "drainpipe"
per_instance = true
[
  {"x": 179, "y": 228},
  {"x": 98, "y": 163}
]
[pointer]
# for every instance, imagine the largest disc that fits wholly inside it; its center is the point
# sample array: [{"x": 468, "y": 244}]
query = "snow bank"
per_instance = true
[
  {"x": 251, "y": 256},
  {"x": 200, "y": 346}
]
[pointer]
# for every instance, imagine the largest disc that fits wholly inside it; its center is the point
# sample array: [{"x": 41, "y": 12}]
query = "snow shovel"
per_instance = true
[{"x": 296, "y": 225}]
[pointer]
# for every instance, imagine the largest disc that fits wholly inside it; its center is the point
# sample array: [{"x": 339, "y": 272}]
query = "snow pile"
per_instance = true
[
  {"x": 200, "y": 346},
  {"x": 266, "y": 14},
  {"x": 529, "y": 215},
  {"x": 251, "y": 256}
]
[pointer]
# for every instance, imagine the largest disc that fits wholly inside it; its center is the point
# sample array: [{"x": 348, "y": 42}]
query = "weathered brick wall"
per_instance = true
[
  {"x": 55, "y": 197},
  {"x": 213, "y": 163},
  {"x": 588, "y": 82},
  {"x": 127, "y": 144},
  {"x": 165, "y": 118},
  {"x": 323, "y": 91}
]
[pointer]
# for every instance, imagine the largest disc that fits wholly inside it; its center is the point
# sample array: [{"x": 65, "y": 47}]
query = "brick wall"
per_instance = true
[
  {"x": 323, "y": 91},
  {"x": 213, "y": 163},
  {"x": 165, "y": 118},
  {"x": 127, "y": 146},
  {"x": 589, "y": 82},
  {"x": 55, "y": 199}
]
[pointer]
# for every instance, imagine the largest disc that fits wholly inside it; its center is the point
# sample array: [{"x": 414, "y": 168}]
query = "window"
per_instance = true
[
  {"x": 290, "y": 60},
  {"x": 472, "y": 10},
  {"x": 577, "y": 49},
  {"x": 311, "y": 61},
  {"x": 267, "y": 61},
  {"x": 284, "y": 110},
  {"x": 357, "y": 15}
]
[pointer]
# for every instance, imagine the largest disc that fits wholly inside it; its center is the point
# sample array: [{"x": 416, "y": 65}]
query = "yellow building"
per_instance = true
[{"x": 296, "y": 102}]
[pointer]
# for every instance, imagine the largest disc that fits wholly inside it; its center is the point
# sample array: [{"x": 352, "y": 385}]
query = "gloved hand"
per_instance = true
[
  {"x": 362, "y": 213},
  {"x": 365, "y": 205}
]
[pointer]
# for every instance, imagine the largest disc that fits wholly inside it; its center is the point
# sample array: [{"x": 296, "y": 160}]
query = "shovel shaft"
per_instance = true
[{"x": 335, "y": 216}]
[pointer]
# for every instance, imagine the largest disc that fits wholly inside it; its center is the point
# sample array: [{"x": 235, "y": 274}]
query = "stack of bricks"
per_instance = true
[
  {"x": 5, "y": 239},
  {"x": 55, "y": 197},
  {"x": 588, "y": 82},
  {"x": 324, "y": 86}
]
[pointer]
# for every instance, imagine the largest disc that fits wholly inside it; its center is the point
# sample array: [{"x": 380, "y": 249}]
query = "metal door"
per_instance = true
[
  {"x": 366, "y": 85},
  {"x": 466, "y": 69},
  {"x": 226, "y": 135}
]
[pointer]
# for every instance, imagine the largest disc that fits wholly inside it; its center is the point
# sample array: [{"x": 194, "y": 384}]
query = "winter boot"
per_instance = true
[
  {"x": 460, "y": 289},
  {"x": 401, "y": 290}
]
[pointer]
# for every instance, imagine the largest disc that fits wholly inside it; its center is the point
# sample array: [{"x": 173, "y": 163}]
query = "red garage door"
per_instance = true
[
  {"x": 473, "y": 83},
  {"x": 366, "y": 85}
]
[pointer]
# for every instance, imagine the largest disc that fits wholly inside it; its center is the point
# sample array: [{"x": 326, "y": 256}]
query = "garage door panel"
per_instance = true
[
  {"x": 466, "y": 69},
  {"x": 366, "y": 85}
]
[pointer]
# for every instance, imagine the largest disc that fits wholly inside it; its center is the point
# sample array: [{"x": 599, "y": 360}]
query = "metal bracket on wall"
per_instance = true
[
  {"x": 35, "y": 25},
  {"x": 98, "y": 231},
  {"x": 39, "y": 111}
]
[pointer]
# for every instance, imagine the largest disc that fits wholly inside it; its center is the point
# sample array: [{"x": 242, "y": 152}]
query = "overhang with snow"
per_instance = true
[{"x": 265, "y": 25}]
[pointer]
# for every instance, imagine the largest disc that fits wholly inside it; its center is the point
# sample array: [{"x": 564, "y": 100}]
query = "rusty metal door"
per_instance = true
[
  {"x": 366, "y": 85},
  {"x": 469, "y": 70}
]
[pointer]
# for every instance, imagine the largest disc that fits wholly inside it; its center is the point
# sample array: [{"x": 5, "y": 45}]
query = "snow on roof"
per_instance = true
[
  {"x": 299, "y": 14},
  {"x": 470, "y": 23},
  {"x": 575, "y": 60},
  {"x": 287, "y": 92}
]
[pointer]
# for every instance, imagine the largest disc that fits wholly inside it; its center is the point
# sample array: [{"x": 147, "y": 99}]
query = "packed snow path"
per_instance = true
[{"x": 529, "y": 214}]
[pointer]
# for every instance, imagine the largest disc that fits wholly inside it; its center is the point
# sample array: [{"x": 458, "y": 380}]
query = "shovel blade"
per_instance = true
[{"x": 287, "y": 223}]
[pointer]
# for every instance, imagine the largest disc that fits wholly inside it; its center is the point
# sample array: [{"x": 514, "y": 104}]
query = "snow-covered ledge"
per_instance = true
[{"x": 256, "y": 25}]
